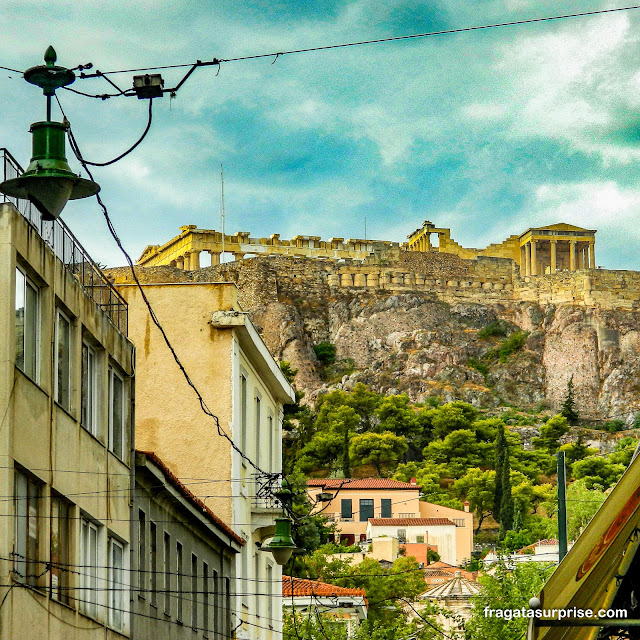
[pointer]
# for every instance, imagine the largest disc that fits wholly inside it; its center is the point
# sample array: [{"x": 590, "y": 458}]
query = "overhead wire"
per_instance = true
[
  {"x": 203, "y": 405},
  {"x": 76, "y": 150},
  {"x": 389, "y": 39}
]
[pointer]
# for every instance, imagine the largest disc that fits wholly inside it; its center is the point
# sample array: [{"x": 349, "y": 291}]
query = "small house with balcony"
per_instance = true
[{"x": 352, "y": 502}]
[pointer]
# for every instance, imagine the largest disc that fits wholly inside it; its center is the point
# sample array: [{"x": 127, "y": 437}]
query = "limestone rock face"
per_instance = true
[{"x": 425, "y": 342}]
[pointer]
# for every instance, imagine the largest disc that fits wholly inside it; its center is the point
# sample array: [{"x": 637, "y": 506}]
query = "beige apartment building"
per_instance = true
[
  {"x": 243, "y": 386},
  {"x": 396, "y": 510},
  {"x": 66, "y": 388}
]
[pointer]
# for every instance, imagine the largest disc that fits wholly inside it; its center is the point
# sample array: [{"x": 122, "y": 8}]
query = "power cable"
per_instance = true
[
  {"x": 390, "y": 39},
  {"x": 203, "y": 405},
  {"x": 76, "y": 150},
  {"x": 10, "y": 69}
]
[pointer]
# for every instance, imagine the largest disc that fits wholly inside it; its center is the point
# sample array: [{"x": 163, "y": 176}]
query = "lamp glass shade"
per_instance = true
[
  {"x": 282, "y": 544},
  {"x": 48, "y": 181}
]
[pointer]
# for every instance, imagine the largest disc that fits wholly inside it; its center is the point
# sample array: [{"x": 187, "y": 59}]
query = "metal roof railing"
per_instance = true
[{"x": 69, "y": 251}]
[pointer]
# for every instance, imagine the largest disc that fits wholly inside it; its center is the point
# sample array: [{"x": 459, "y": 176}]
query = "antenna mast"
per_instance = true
[{"x": 222, "y": 211}]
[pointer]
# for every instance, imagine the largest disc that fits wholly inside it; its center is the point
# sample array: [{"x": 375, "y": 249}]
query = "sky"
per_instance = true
[{"x": 486, "y": 132}]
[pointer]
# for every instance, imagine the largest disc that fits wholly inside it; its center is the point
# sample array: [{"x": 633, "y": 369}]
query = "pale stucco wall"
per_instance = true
[
  {"x": 464, "y": 534},
  {"x": 404, "y": 503},
  {"x": 47, "y": 442}
]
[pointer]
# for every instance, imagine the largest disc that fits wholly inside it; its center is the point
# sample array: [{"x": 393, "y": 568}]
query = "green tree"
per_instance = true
[
  {"x": 597, "y": 471},
  {"x": 329, "y": 447},
  {"x": 460, "y": 450},
  {"x": 325, "y": 352},
  {"x": 380, "y": 449},
  {"x": 478, "y": 487},
  {"x": 451, "y": 417},
  {"x": 506, "y": 503},
  {"x": 550, "y": 434},
  {"x": 506, "y": 589},
  {"x": 429, "y": 476},
  {"x": 568, "y": 409},
  {"x": 501, "y": 453},
  {"x": 396, "y": 414}
]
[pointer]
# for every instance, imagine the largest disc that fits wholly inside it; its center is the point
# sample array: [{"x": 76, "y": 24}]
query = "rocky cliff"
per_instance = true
[{"x": 422, "y": 333}]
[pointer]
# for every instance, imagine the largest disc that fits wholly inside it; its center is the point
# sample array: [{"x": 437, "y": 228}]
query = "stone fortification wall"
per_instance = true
[
  {"x": 449, "y": 277},
  {"x": 593, "y": 287}
]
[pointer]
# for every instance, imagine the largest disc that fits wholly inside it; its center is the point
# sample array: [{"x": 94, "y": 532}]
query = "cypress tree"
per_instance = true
[
  {"x": 569, "y": 410},
  {"x": 501, "y": 448},
  {"x": 506, "y": 505}
]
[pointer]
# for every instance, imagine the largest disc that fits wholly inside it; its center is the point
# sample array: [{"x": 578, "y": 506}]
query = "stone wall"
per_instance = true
[{"x": 449, "y": 277}]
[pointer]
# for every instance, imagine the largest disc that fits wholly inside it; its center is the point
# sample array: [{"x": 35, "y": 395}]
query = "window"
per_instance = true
[
  {"x": 385, "y": 508},
  {"x": 26, "y": 317},
  {"x": 270, "y": 595},
  {"x": 205, "y": 599},
  {"x": 256, "y": 577},
  {"x": 116, "y": 413},
  {"x": 194, "y": 591},
  {"x": 63, "y": 361},
  {"x": 153, "y": 563},
  {"x": 243, "y": 412},
  {"x": 217, "y": 585},
  {"x": 420, "y": 539},
  {"x": 258, "y": 428},
  {"x": 116, "y": 584},
  {"x": 89, "y": 567},
  {"x": 346, "y": 510},
  {"x": 27, "y": 499},
  {"x": 88, "y": 409},
  {"x": 180, "y": 576},
  {"x": 366, "y": 509},
  {"x": 271, "y": 458},
  {"x": 60, "y": 540},
  {"x": 167, "y": 574},
  {"x": 402, "y": 535},
  {"x": 142, "y": 553}
]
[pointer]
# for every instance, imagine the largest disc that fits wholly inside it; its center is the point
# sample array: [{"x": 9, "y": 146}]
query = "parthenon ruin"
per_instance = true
[{"x": 537, "y": 251}]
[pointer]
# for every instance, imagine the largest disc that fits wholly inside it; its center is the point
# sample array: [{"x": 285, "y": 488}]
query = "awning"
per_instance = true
[{"x": 592, "y": 573}]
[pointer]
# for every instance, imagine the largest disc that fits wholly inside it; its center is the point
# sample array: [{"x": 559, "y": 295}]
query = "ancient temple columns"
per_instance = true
[
  {"x": 554, "y": 255},
  {"x": 534, "y": 258},
  {"x": 572, "y": 255}
]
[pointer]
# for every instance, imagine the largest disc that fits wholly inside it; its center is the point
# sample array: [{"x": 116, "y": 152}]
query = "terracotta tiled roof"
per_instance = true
[
  {"x": 409, "y": 522},
  {"x": 173, "y": 480},
  {"x": 435, "y": 573},
  {"x": 442, "y": 565},
  {"x": 548, "y": 542},
  {"x": 302, "y": 587},
  {"x": 360, "y": 483}
]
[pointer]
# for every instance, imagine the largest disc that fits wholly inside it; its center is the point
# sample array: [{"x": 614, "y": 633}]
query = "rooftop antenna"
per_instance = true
[
  {"x": 222, "y": 210},
  {"x": 365, "y": 227}
]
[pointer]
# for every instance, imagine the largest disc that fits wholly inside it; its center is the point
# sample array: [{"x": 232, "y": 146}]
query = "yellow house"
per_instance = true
[
  {"x": 353, "y": 503},
  {"x": 243, "y": 386},
  {"x": 66, "y": 384}
]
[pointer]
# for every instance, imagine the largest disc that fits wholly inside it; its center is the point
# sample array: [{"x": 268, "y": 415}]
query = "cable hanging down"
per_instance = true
[
  {"x": 203, "y": 405},
  {"x": 76, "y": 150}
]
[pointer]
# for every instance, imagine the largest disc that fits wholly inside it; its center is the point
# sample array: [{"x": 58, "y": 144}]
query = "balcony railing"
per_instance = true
[
  {"x": 71, "y": 253},
  {"x": 264, "y": 486}
]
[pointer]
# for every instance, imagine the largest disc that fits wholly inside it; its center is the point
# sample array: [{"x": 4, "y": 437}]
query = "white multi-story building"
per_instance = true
[{"x": 243, "y": 386}]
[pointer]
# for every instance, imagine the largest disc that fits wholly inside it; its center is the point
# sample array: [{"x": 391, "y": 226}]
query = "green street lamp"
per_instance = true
[
  {"x": 48, "y": 181},
  {"x": 282, "y": 545}
]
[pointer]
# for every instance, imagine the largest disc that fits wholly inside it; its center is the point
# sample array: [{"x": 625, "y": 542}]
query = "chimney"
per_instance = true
[
  {"x": 466, "y": 506},
  {"x": 413, "y": 481}
]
